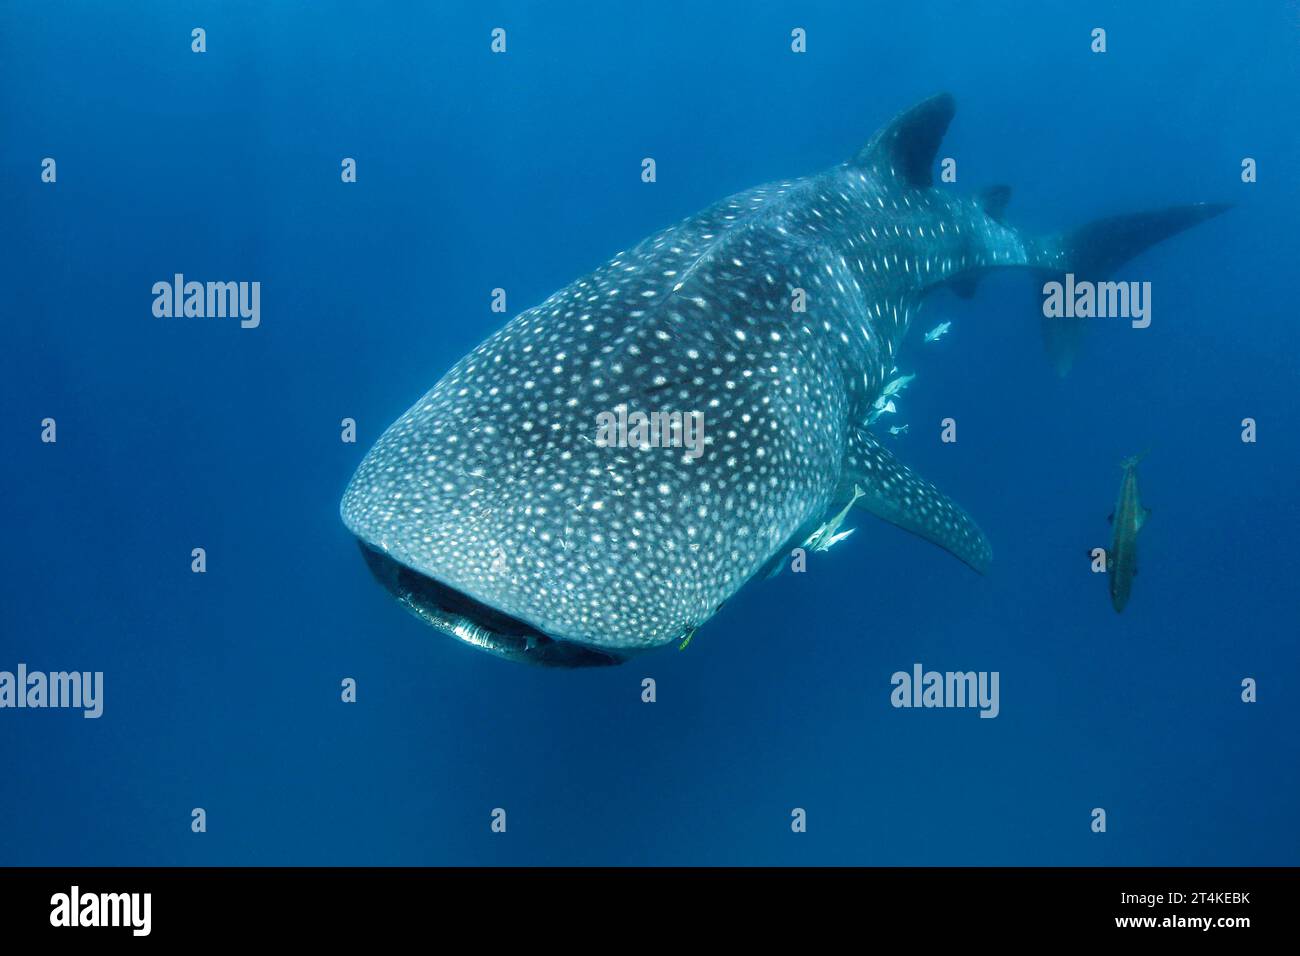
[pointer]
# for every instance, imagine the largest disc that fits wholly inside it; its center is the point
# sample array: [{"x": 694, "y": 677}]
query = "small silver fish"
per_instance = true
[
  {"x": 878, "y": 410},
  {"x": 829, "y": 533},
  {"x": 894, "y": 387},
  {"x": 938, "y": 332}
]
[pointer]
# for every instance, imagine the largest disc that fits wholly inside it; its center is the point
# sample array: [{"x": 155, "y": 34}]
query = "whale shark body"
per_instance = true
[{"x": 490, "y": 511}]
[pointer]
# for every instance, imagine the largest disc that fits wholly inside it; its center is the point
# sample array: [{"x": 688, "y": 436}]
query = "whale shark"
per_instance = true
[{"x": 491, "y": 512}]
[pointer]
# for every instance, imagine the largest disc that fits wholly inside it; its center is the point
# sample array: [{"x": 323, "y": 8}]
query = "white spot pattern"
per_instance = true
[{"x": 493, "y": 483}]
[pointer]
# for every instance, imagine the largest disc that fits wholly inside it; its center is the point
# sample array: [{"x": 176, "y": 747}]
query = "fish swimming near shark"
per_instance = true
[
  {"x": 489, "y": 511},
  {"x": 1126, "y": 521},
  {"x": 894, "y": 387},
  {"x": 881, "y": 407},
  {"x": 938, "y": 332},
  {"x": 829, "y": 533}
]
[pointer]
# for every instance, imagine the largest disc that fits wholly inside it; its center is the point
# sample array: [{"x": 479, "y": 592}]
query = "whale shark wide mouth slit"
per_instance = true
[{"x": 458, "y": 615}]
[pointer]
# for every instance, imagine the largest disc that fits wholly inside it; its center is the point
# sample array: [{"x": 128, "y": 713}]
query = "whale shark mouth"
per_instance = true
[{"x": 458, "y": 615}]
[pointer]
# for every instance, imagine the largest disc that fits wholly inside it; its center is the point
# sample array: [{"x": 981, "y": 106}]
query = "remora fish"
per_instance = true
[
  {"x": 938, "y": 332},
  {"x": 1126, "y": 521},
  {"x": 829, "y": 533},
  {"x": 489, "y": 511},
  {"x": 881, "y": 407},
  {"x": 894, "y": 387}
]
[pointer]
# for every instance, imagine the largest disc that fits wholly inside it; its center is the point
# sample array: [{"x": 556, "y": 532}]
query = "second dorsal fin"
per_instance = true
[
  {"x": 909, "y": 142},
  {"x": 993, "y": 201}
]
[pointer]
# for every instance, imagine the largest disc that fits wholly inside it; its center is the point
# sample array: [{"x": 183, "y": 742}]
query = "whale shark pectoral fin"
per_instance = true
[
  {"x": 908, "y": 143},
  {"x": 895, "y": 493}
]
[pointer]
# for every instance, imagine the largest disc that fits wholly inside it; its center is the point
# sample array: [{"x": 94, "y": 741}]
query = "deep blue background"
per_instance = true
[{"x": 522, "y": 171}]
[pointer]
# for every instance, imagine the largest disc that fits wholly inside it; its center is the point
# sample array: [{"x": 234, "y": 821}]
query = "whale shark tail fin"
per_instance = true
[{"x": 1094, "y": 251}]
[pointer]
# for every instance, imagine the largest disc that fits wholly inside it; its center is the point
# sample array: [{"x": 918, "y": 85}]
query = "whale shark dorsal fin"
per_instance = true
[
  {"x": 895, "y": 493},
  {"x": 909, "y": 142}
]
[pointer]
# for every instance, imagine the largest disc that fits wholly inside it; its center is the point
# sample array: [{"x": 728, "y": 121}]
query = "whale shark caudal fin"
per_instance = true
[
  {"x": 906, "y": 147},
  {"x": 1093, "y": 252},
  {"x": 893, "y": 492}
]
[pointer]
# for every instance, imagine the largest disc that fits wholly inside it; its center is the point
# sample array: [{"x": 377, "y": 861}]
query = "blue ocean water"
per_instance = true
[{"x": 522, "y": 170}]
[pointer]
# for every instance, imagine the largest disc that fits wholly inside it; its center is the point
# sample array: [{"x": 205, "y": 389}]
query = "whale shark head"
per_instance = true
[{"x": 495, "y": 509}]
